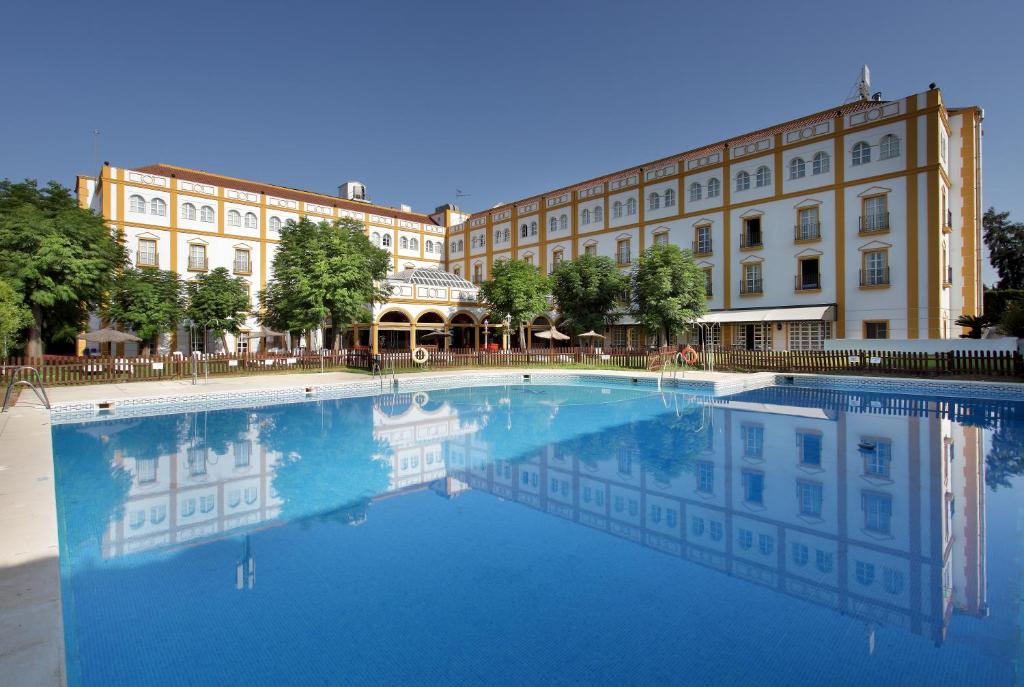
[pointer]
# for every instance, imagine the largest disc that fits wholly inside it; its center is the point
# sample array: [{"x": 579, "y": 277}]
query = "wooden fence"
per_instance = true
[{"x": 61, "y": 371}]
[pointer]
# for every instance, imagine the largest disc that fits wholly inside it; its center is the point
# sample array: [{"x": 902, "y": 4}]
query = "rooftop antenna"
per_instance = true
[
  {"x": 95, "y": 148},
  {"x": 864, "y": 83},
  {"x": 459, "y": 194}
]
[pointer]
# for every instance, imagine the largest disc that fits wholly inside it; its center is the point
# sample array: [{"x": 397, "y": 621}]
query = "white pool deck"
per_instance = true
[{"x": 31, "y": 632}]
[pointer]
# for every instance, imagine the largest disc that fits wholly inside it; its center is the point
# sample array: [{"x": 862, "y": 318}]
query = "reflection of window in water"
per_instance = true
[
  {"x": 705, "y": 477},
  {"x": 877, "y": 460},
  {"x": 823, "y": 560},
  {"x": 620, "y": 504},
  {"x": 234, "y": 497},
  {"x": 157, "y": 514},
  {"x": 877, "y": 512},
  {"x": 893, "y": 581},
  {"x": 188, "y": 507},
  {"x": 251, "y": 494},
  {"x": 137, "y": 519},
  {"x": 206, "y": 504},
  {"x": 625, "y": 461},
  {"x": 243, "y": 454},
  {"x": 145, "y": 470},
  {"x": 197, "y": 462},
  {"x": 697, "y": 525},
  {"x": 800, "y": 554},
  {"x": 809, "y": 494},
  {"x": 745, "y": 539},
  {"x": 753, "y": 441},
  {"x": 809, "y": 446},
  {"x": 671, "y": 517},
  {"x": 655, "y": 514},
  {"x": 634, "y": 507},
  {"x": 753, "y": 487},
  {"x": 765, "y": 544},
  {"x": 715, "y": 530},
  {"x": 865, "y": 573}
]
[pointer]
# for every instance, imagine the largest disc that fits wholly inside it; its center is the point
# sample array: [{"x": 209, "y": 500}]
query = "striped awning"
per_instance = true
[{"x": 802, "y": 313}]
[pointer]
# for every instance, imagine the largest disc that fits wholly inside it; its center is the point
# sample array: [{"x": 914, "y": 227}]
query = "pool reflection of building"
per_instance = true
[{"x": 877, "y": 516}]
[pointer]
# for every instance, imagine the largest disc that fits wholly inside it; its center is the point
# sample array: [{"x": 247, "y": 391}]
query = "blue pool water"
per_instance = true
[{"x": 537, "y": 535}]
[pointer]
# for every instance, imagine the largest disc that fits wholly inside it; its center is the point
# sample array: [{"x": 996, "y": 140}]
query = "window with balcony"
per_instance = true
[
  {"x": 874, "y": 214},
  {"x": 197, "y": 261},
  {"x": 242, "y": 262},
  {"x": 590, "y": 249},
  {"x": 751, "y": 236},
  {"x": 661, "y": 238},
  {"x": 808, "y": 224},
  {"x": 702, "y": 239},
  {"x": 146, "y": 255},
  {"x": 622, "y": 253},
  {"x": 752, "y": 279},
  {"x": 874, "y": 268},
  {"x": 808, "y": 276}
]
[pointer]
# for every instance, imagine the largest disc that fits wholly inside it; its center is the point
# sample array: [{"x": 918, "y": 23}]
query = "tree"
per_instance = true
[
  {"x": 585, "y": 290},
  {"x": 667, "y": 290},
  {"x": 323, "y": 270},
  {"x": 1012, "y": 321},
  {"x": 218, "y": 302},
  {"x": 976, "y": 323},
  {"x": 14, "y": 318},
  {"x": 62, "y": 257},
  {"x": 516, "y": 290},
  {"x": 150, "y": 301},
  {"x": 1005, "y": 242}
]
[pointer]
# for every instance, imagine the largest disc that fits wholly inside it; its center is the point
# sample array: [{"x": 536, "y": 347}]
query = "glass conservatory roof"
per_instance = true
[{"x": 427, "y": 276}]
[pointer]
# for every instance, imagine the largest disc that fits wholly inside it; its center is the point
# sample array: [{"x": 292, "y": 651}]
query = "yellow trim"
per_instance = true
[
  {"x": 913, "y": 317},
  {"x": 933, "y": 232},
  {"x": 968, "y": 213},
  {"x": 864, "y": 252}
]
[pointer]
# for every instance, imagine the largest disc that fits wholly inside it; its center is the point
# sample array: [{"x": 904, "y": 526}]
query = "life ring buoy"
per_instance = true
[
  {"x": 420, "y": 398},
  {"x": 690, "y": 355},
  {"x": 420, "y": 355}
]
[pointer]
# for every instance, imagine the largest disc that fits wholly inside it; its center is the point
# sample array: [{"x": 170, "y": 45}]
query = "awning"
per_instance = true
[{"x": 811, "y": 312}]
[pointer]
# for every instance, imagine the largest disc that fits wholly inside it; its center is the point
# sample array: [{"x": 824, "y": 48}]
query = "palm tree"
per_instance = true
[{"x": 976, "y": 323}]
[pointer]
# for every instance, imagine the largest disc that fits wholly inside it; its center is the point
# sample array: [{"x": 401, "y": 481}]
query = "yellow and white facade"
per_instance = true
[{"x": 861, "y": 221}]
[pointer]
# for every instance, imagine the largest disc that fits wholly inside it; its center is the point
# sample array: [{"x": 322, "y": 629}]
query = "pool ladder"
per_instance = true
[
  {"x": 382, "y": 372},
  {"x": 37, "y": 386}
]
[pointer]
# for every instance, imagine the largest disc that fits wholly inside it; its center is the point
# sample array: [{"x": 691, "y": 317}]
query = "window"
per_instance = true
[
  {"x": 661, "y": 238},
  {"x": 799, "y": 554},
  {"x": 403, "y": 242},
  {"x": 670, "y": 198},
  {"x": 590, "y": 249},
  {"x": 553, "y": 224},
  {"x": 563, "y": 222},
  {"x": 702, "y": 239},
  {"x": 742, "y": 181},
  {"x": 625, "y": 459},
  {"x": 797, "y": 168},
  {"x": 765, "y": 544},
  {"x": 242, "y": 263},
  {"x": 631, "y": 206},
  {"x": 763, "y": 177},
  {"x": 808, "y": 446},
  {"x": 653, "y": 201},
  {"x": 753, "y": 487},
  {"x": 146, "y": 255},
  {"x": 188, "y": 211},
  {"x": 715, "y": 530},
  {"x": 556, "y": 258},
  {"x": 705, "y": 477},
  {"x": 206, "y": 214},
  {"x": 478, "y": 273},
  {"x": 808, "y": 224},
  {"x": 598, "y": 214},
  {"x": 617, "y": 209},
  {"x": 892, "y": 580},
  {"x": 242, "y": 344},
  {"x": 386, "y": 240},
  {"x": 820, "y": 165},
  {"x": 708, "y": 286},
  {"x": 461, "y": 246},
  {"x": 695, "y": 192},
  {"x": 414, "y": 244},
  {"x": 528, "y": 258},
  {"x": 158, "y": 207},
  {"x": 714, "y": 188},
  {"x": 753, "y": 441},
  {"x": 697, "y": 526},
  {"x": 889, "y": 147},
  {"x": 752, "y": 282},
  {"x": 622, "y": 256},
  {"x": 585, "y": 216},
  {"x": 375, "y": 239},
  {"x": 234, "y": 218},
  {"x": 533, "y": 230},
  {"x": 137, "y": 204},
  {"x": 874, "y": 213},
  {"x": 877, "y": 512},
  {"x": 808, "y": 336},
  {"x": 197, "y": 257},
  {"x": 865, "y": 573},
  {"x": 809, "y": 499},
  {"x": 808, "y": 276},
  {"x": 250, "y": 220},
  {"x": 745, "y": 538},
  {"x": 428, "y": 247},
  {"x": 524, "y": 231},
  {"x": 861, "y": 154},
  {"x": 876, "y": 330},
  {"x": 875, "y": 270},
  {"x": 457, "y": 271},
  {"x": 878, "y": 458}
]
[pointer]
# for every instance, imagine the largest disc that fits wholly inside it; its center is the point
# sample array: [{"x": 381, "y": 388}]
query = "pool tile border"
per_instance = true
[{"x": 906, "y": 386}]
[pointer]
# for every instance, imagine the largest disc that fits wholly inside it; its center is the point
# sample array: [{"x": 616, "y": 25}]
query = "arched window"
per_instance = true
[
  {"x": 428, "y": 247},
  {"x": 714, "y": 188},
  {"x": 414, "y": 244},
  {"x": 742, "y": 181},
  {"x": 599, "y": 213},
  {"x": 797, "y": 168},
  {"x": 250, "y": 220},
  {"x": 763, "y": 177},
  {"x": 137, "y": 204},
  {"x": 523, "y": 231},
  {"x": 403, "y": 243},
  {"x": 585, "y": 216},
  {"x": 820, "y": 165},
  {"x": 206, "y": 214},
  {"x": 439, "y": 247},
  {"x": 157, "y": 206},
  {"x": 617, "y": 209},
  {"x": 375, "y": 239},
  {"x": 563, "y": 222},
  {"x": 631, "y": 206},
  {"x": 234, "y": 218},
  {"x": 275, "y": 224},
  {"x": 461, "y": 245},
  {"x": 861, "y": 153},
  {"x": 553, "y": 224},
  {"x": 188, "y": 211},
  {"x": 889, "y": 148},
  {"x": 670, "y": 198},
  {"x": 653, "y": 201},
  {"x": 533, "y": 228},
  {"x": 696, "y": 193},
  {"x": 386, "y": 240}
]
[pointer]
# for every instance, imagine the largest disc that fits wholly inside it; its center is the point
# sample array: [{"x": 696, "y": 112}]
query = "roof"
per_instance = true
[
  {"x": 428, "y": 276},
  {"x": 200, "y": 176},
  {"x": 815, "y": 118}
]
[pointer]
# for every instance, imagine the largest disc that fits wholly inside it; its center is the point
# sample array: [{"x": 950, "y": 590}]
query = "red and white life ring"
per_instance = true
[
  {"x": 420, "y": 355},
  {"x": 690, "y": 356}
]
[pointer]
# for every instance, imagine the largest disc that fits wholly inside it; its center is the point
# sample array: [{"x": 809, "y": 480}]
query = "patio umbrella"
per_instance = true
[
  {"x": 551, "y": 335},
  {"x": 591, "y": 335},
  {"x": 263, "y": 332},
  {"x": 108, "y": 335},
  {"x": 437, "y": 334}
]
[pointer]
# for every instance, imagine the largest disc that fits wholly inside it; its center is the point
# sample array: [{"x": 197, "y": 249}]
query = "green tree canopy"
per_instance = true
[
  {"x": 585, "y": 290},
  {"x": 1005, "y": 242},
  {"x": 62, "y": 257},
  {"x": 1011, "y": 322},
  {"x": 14, "y": 318},
  {"x": 218, "y": 302},
  {"x": 667, "y": 290},
  {"x": 516, "y": 290},
  {"x": 323, "y": 270},
  {"x": 150, "y": 301}
]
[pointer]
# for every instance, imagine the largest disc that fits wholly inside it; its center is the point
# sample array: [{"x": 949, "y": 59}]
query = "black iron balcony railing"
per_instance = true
[
  {"x": 198, "y": 264},
  {"x": 147, "y": 259},
  {"x": 876, "y": 222},
  {"x": 243, "y": 267},
  {"x": 702, "y": 247},
  {"x": 807, "y": 231},
  {"x": 751, "y": 240},
  {"x": 751, "y": 286},
  {"x": 804, "y": 282},
  {"x": 878, "y": 276}
]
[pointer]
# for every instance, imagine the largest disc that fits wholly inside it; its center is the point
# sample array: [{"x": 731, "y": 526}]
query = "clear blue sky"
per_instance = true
[{"x": 501, "y": 100}]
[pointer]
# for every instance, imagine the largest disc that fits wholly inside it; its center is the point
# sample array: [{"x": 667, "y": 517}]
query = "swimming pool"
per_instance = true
[{"x": 546, "y": 534}]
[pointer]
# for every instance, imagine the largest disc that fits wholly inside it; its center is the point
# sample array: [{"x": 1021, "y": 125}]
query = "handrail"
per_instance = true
[{"x": 38, "y": 388}]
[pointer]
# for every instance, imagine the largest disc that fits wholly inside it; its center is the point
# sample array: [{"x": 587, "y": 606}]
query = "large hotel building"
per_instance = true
[{"x": 861, "y": 221}]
